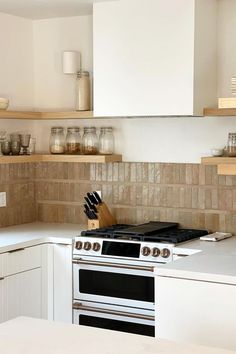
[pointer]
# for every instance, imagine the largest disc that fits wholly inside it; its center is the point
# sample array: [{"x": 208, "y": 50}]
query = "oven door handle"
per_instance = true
[
  {"x": 113, "y": 265},
  {"x": 79, "y": 306}
]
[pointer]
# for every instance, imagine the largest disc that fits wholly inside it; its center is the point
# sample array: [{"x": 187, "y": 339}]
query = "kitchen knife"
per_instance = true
[
  {"x": 89, "y": 203},
  {"x": 97, "y": 196},
  {"x": 92, "y": 198},
  {"x": 91, "y": 214},
  {"x": 87, "y": 214},
  {"x": 86, "y": 208}
]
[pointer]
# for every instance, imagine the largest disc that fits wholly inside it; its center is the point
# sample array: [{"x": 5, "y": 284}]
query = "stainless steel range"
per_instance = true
[{"x": 113, "y": 274}]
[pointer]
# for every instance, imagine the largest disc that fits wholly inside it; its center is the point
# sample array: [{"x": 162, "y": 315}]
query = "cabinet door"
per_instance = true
[
  {"x": 3, "y": 297},
  {"x": 24, "y": 296},
  {"x": 197, "y": 312}
]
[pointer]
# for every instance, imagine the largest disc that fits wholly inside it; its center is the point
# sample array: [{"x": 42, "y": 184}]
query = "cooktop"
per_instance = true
[{"x": 153, "y": 231}]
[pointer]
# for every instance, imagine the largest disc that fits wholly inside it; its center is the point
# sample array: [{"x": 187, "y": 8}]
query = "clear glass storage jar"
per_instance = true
[
  {"x": 73, "y": 141},
  {"x": 106, "y": 141},
  {"x": 90, "y": 141},
  {"x": 57, "y": 140},
  {"x": 231, "y": 146}
]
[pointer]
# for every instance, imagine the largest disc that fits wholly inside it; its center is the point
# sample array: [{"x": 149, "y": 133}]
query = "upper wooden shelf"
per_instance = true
[
  {"x": 61, "y": 158},
  {"x": 219, "y": 112},
  {"x": 218, "y": 160},
  {"x": 45, "y": 115},
  {"x": 90, "y": 114},
  {"x": 225, "y": 165}
]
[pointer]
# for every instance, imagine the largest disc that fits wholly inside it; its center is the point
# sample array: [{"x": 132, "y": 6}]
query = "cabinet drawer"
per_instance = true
[{"x": 21, "y": 260}]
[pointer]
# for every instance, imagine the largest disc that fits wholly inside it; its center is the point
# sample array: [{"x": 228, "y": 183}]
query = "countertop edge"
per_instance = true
[
  {"x": 199, "y": 276},
  {"x": 36, "y": 242}
]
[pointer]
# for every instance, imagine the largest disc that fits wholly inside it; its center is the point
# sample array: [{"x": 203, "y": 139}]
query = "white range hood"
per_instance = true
[{"x": 155, "y": 57}]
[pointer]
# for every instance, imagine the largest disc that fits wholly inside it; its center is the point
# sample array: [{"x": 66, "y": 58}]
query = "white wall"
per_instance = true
[
  {"x": 53, "y": 90},
  {"x": 16, "y": 61},
  {"x": 145, "y": 139},
  {"x": 156, "y": 139}
]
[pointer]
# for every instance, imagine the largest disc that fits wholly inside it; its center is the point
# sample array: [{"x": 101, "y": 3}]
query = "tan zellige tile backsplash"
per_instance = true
[
  {"x": 17, "y": 181},
  {"x": 191, "y": 194}
]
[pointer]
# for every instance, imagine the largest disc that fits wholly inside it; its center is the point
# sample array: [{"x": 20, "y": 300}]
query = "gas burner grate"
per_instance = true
[
  {"x": 150, "y": 232},
  {"x": 105, "y": 232},
  {"x": 177, "y": 236}
]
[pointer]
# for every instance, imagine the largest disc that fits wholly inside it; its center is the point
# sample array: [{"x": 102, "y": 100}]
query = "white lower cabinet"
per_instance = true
[
  {"x": 24, "y": 294},
  {"x": 3, "y": 297},
  {"x": 37, "y": 282},
  {"x": 197, "y": 312}
]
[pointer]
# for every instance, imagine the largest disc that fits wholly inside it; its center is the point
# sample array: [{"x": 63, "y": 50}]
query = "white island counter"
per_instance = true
[{"x": 31, "y": 336}]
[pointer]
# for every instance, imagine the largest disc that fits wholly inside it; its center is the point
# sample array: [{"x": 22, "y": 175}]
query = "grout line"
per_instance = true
[
  {"x": 128, "y": 183},
  {"x": 207, "y": 211}
]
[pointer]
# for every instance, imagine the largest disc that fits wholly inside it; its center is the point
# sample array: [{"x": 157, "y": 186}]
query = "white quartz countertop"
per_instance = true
[
  {"x": 31, "y": 336},
  {"x": 33, "y": 234},
  {"x": 215, "y": 262}
]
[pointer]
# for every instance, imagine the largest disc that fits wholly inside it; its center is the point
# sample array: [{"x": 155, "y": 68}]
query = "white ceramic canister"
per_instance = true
[{"x": 83, "y": 91}]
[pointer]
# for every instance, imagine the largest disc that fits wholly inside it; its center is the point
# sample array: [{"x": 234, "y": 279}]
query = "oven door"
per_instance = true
[
  {"x": 114, "y": 283},
  {"x": 115, "y": 318}
]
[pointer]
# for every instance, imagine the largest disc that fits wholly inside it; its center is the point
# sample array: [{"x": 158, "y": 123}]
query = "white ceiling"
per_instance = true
[{"x": 39, "y": 9}]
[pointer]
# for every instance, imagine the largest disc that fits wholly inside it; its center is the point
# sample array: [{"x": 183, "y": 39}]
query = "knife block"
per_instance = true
[
  {"x": 93, "y": 224},
  {"x": 105, "y": 218}
]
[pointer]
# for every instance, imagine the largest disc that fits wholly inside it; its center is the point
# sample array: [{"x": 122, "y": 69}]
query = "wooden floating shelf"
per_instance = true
[
  {"x": 211, "y": 112},
  {"x": 61, "y": 158},
  {"x": 90, "y": 114},
  {"x": 218, "y": 160},
  {"x": 225, "y": 165},
  {"x": 45, "y": 115}
]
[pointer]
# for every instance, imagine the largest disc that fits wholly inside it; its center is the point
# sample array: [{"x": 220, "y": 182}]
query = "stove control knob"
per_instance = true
[
  {"x": 96, "y": 246},
  {"x": 146, "y": 251},
  {"x": 78, "y": 245},
  {"x": 156, "y": 252},
  {"x": 165, "y": 253},
  {"x": 87, "y": 246}
]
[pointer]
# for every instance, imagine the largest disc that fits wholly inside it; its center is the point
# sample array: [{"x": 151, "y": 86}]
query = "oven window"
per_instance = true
[
  {"x": 115, "y": 325},
  {"x": 125, "y": 286}
]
